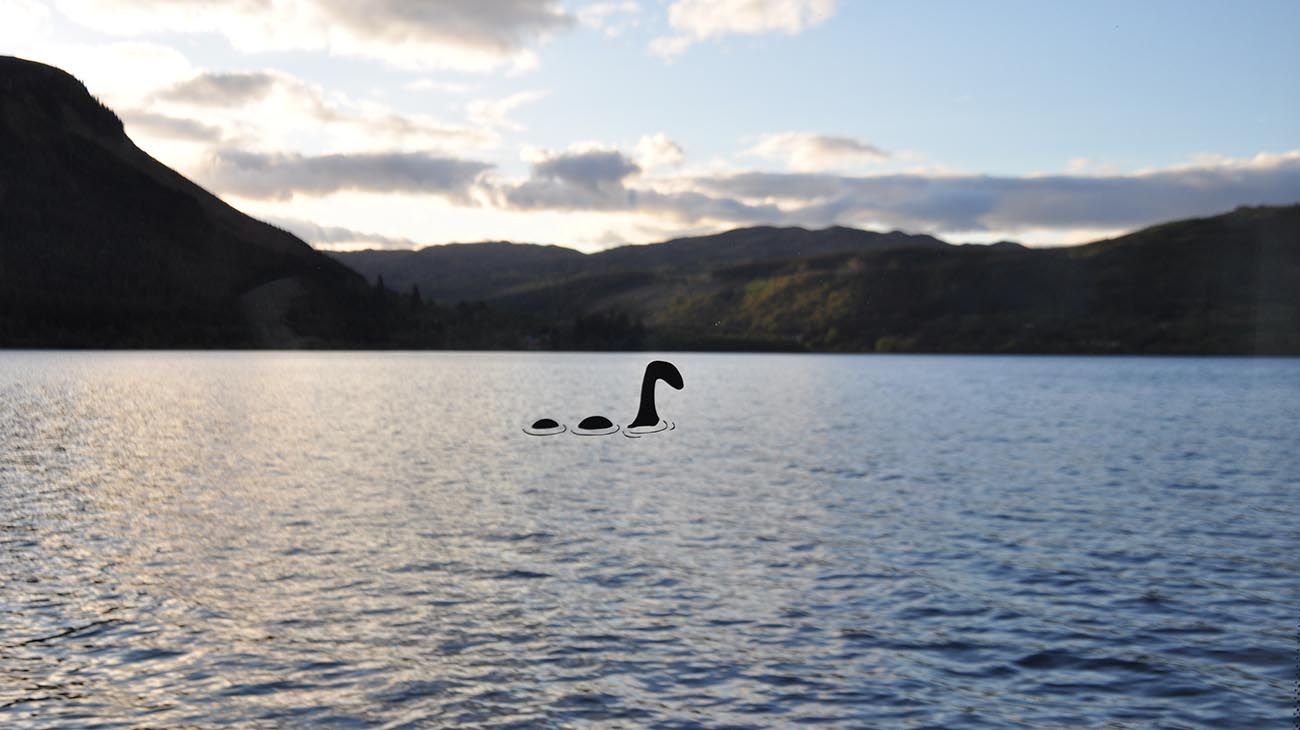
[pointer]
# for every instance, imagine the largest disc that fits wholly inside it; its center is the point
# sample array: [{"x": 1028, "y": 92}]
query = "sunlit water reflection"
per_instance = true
[{"x": 311, "y": 539}]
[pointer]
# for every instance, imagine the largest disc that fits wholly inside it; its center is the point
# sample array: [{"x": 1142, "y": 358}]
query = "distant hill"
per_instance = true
[
  {"x": 1228, "y": 284},
  {"x": 101, "y": 245},
  {"x": 479, "y": 271}
]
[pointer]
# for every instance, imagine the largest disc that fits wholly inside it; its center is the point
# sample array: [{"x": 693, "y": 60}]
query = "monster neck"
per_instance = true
[{"x": 647, "y": 414}]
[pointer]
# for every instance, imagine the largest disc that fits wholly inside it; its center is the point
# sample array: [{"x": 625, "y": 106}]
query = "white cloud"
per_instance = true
[
  {"x": 611, "y": 18},
  {"x": 1086, "y": 166},
  {"x": 657, "y": 150},
  {"x": 470, "y": 35},
  {"x": 809, "y": 152},
  {"x": 444, "y": 87},
  {"x": 273, "y": 111},
  {"x": 669, "y": 46},
  {"x": 697, "y": 20},
  {"x": 495, "y": 113}
]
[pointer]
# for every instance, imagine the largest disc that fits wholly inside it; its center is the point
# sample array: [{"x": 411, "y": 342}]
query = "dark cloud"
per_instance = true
[
  {"x": 162, "y": 125},
  {"x": 691, "y": 207},
  {"x": 222, "y": 89},
  {"x": 402, "y": 32},
  {"x": 832, "y": 145},
  {"x": 281, "y": 176},
  {"x": 589, "y": 169},
  {"x": 598, "y": 181},
  {"x": 587, "y": 180},
  {"x": 549, "y": 194},
  {"x": 973, "y": 203},
  {"x": 501, "y": 25}
]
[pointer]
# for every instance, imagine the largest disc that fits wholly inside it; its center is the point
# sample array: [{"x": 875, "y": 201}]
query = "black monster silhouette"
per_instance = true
[{"x": 647, "y": 415}]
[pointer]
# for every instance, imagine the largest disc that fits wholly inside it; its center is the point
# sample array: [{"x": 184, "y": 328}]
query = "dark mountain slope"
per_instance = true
[{"x": 101, "y": 245}]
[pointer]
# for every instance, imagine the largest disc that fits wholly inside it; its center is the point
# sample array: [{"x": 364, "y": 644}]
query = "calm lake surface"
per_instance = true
[{"x": 370, "y": 539}]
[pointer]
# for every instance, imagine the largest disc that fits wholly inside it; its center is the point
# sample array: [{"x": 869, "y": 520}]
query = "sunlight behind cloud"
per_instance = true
[
  {"x": 657, "y": 150},
  {"x": 809, "y": 152},
  {"x": 495, "y": 113}
]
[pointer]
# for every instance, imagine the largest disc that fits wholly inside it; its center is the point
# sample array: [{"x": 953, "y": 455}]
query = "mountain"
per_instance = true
[
  {"x": 468, "y": 272},
  {"x": 1220, "y": 285},
  {"x": 101, "y": 245}
]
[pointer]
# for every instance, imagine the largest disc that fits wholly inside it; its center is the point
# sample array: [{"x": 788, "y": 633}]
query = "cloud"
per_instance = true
[
  {"x": 495, "y": 113},
  {"x": 657, "y": 150},
  {"x": 269, "y": 110},
  {"x": 282, "y": 176},
  {"x": 991, "y": 203},
  {"x": 336, "y": 237},
  {"x": 606, "y": 180},
  {"x": 445, "y": 87},
  {"x": 809, "y": 152},
  {"x": 693, "y": 207},
  {"x": 594, "y": 178},
  {"x": 611, "y": 18},
  {"x": 697, "y": 20},
  {"x": 584, "y": 178},
  {"x": 598, "y": 189},
  {"x": 161, "y": 125},
  {"x": 588, "y": 168},
  {"x": 470, "y": 35},
  {"x": 1086, "y": 166},
  {"x": 222, "y": 89}
]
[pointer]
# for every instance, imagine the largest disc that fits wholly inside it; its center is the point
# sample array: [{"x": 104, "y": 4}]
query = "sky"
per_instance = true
[{"x": 404, "y": 123}]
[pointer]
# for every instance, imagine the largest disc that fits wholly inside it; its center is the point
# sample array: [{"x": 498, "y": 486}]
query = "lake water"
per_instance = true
[{"x": 370, "y": 539}]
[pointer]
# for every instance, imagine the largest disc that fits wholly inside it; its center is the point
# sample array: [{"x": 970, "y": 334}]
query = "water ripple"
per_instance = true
[{"x": 265, "y": 540}]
